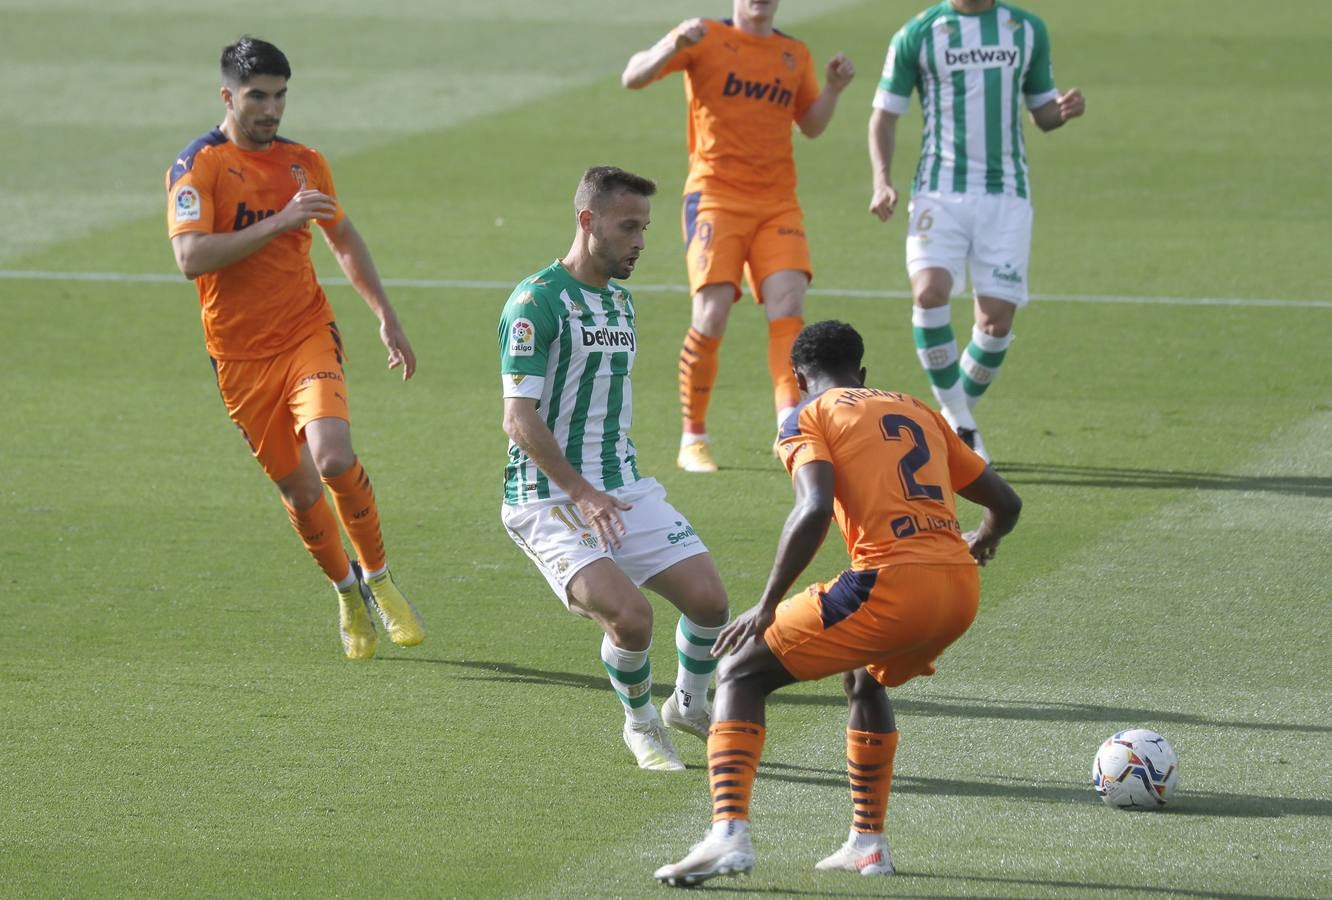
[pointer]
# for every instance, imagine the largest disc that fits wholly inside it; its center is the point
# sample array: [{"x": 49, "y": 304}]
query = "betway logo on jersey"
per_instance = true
[
  {"x": 606, "y": 336},
  {"x": 770, "y": 91},
  {"x": 980, "y": 57}
]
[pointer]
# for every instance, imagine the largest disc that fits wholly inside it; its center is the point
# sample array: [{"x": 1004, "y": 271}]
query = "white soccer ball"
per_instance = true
[{"x": 1137, "y": 768}]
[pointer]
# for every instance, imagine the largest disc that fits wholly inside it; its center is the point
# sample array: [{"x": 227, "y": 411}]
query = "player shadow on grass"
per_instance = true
[
  {"x": 995, "y": 882},
  {"x": 942, "y": 705},
  {"x": 1115, "y": 477},
  {"x": 1185, "y": 803}
]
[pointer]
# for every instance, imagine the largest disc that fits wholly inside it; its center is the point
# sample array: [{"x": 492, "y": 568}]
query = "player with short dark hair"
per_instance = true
[
  {"x": 240, "y": 201},
  {"x": 886, "y": 466},
  {"x": 574, "y": 500}
]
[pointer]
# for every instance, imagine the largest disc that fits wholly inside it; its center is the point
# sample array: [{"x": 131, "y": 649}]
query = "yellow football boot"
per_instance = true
[
  {"x": 696, "y": 456},
  {"x": 359, "y": 640},
  {"x": 403, "y": 622}
]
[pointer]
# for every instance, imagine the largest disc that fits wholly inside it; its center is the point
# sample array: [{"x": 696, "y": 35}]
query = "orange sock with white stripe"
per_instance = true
[
  {"x": 319, "y": 532},
  {"x": 355, "y": 500},
  {"x": 698, "y": 373},
  {"x": 781, "y": 338},
  {"x": 734, "y": 749},
  {"x": 869, "y": 766}
]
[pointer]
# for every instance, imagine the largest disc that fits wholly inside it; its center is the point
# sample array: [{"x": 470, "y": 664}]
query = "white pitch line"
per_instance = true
[{"x": 463, "y": 283}]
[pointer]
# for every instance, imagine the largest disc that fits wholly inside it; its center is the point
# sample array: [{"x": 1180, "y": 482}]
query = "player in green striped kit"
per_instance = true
[
  {"x": 975, "y": 64},
  {"x": 574, "y": 500}
]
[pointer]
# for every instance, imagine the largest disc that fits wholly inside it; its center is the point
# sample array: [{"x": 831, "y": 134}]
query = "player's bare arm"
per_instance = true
[
  {"x": 198, "y": 253},
  {"x": 838, "y": 74},
  {"x": 1068, "y": 105},
  {"x": 882, "y": 140},
  {"x": 527, "y": 429},
  {"x": 645, "y": 65},
  {"x": 353, "y": 256},
  {"x": 802, "y": 535},
  {"x": 1002, "y": 507}
]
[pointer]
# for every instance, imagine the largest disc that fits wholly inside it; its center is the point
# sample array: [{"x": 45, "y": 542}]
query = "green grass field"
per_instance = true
[{"x": 176, "y": 719}]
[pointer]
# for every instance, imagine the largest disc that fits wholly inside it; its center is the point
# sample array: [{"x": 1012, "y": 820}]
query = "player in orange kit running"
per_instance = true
[
  {"x": 239, "y": 203},
  {"x": 746, "y": 84},
  {"x": 886, "y": 466}
]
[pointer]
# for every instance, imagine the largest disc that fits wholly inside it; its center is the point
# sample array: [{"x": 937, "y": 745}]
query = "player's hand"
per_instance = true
[
  {"x": 839, "y": 73},
  {"x": 602, "y": 512},
  {"x": 1071, "y": 104},
  {"x": 689, "y": 32},
  {"x": 982, "y": 546},
  {"x": 304, "y": 206},
  {"x": 750, "y": 625},
  {"x": 400, "y": 351},
  {"x": 884, "y": 202}
]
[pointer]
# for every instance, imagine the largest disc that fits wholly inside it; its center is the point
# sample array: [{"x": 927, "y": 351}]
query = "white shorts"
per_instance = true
[
  {"x": 991, "y": 232},
  {"x": 553, "y": 535}
]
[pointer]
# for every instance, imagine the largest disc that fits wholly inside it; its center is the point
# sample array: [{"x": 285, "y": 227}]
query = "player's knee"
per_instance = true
[
  {"x": 630, "y": 627},
  {"x": 333, "y": 461},
  {"x": 300, "y": 496},
  {"x": 931, "y": 293},
  {"x": 860, "y": 685}
]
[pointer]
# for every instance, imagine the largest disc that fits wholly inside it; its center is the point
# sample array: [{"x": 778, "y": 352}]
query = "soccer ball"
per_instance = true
[{"x": 1137, "y": 767}]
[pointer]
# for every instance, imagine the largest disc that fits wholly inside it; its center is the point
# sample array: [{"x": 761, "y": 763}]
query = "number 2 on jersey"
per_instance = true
[{"x": 893, "y": 425}]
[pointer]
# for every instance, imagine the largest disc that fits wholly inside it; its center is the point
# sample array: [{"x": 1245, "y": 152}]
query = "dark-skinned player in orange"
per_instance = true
[{"x": 886, "y": 467}]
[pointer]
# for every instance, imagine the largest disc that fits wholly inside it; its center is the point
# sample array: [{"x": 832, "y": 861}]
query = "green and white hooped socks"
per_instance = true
[
  {"x": 630, "y": 674},
  {"x": 937, "y": 349},
  {"x": 693, "y": 646},
  {"x": 981, "y": 361}
]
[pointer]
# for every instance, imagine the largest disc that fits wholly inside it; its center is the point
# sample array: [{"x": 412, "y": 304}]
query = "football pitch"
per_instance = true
[{"x": 176, "y": 717}]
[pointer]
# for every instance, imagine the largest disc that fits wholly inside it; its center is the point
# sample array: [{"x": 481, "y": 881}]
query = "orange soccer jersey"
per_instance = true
[
  {"x": 269, "y": 301},
  {"x": 897, "y": 464},
  {"x": 744, "y": 94}
]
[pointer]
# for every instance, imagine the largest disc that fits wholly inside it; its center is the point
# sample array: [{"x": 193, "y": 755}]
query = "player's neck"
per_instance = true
[
  {"x": 819, "y": 382},
  {"x": 972, "y": 7},
  {"x": 756, "y": 27},
  {"x": 583, "y": 267}
]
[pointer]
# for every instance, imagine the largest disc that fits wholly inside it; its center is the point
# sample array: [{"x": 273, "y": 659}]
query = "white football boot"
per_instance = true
[
  {"x": 693, "y": 721},
  {"x": 719, "y": 853},
  {"x": 872, "y": 859},
  {"x": 651, "y": 745}
]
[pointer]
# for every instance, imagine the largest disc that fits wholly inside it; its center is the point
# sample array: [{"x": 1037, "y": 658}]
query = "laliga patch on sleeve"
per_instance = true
[
  {"x": 522, "y": 338},
  {"x": 187, "y": 204}
]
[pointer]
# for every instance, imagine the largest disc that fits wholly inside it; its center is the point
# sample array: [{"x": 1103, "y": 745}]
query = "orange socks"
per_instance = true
[
  {"x": 319, "y": 532},
  {"x": 698, "y": 373},
  {"x": 355, "y": 501},
  {"x": 781, "y": 338},
  {"x": 869, "y": 765},
  {"x": 734, "y": 749}
]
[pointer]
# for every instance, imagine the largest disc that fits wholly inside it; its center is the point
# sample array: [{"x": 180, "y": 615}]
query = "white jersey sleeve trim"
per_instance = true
[
  {"x": 890, "y": 102},
  {"x": 527, "y": 387},
  {"x": 1036, "y": 100}
]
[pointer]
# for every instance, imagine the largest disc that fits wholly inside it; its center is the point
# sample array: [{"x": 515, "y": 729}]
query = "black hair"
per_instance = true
[
  {"x": 599, "y": 182},
  {"x": 831, "y": 347},
  {"x": 249, "y": 57}
]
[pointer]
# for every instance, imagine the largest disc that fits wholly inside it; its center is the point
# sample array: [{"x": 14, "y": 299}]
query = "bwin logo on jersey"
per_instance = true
[
  {"x": 771, "y": 91},
  {"x": 605, "y": 336}
]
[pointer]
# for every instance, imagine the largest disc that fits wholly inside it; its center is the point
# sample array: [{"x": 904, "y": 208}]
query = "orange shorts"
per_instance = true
[
  {"x": 272, "y": 400},
  {"x": 726, "y": 236},
  {"x": 895, "y": 621}
]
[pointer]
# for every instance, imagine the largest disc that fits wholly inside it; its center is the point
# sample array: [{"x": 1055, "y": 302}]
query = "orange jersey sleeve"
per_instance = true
[
  {"x": 744, "y": 95},
  {"x": 896, "y": 467},
  {"x": 269, "y": 301}
]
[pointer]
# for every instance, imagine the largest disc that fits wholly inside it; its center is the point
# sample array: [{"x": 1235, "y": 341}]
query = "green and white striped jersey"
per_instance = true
[
  {"x": 970, "y": 70},
  {"x": 570, "y": 346}
]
